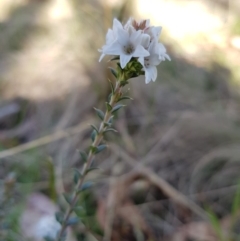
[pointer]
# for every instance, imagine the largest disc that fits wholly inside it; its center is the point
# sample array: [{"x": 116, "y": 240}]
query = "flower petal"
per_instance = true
[
  {"x": 136, "y": 37},
  {"x": 110, "y": 37},
  {"x": 113, "y": 49},
  {"x": 145, "y": 40},
  {"x": 128, "y": 23},
  {"x": 141, "y": 60},
  {"x": 150, "y": 74},
  {"x": 123, "y": 37},
  {"x": 147, "y": 76},
  {"x": 156, "y": 31},
  {"x": 101, "y": 57},
  {"x": 116, "y": 25},
  {"x": 154, "y": 73},
  {"x": 140, "y": 52},
  {"x": 167, "y": 57},
  {"x": 154, "y": 60},
  {"x": 124, "y": 59}
]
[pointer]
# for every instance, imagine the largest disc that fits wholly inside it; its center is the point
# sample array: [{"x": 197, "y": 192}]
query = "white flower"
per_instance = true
[
  {"x": 111, "y": 36},
  {"x": 126, "y": 46},
  {"x": 136, "y": 40},
  {"x": 149, "y": 63}
]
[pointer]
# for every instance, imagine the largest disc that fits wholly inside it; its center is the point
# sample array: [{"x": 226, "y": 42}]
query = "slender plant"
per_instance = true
[{"x": 137, "y": 51}]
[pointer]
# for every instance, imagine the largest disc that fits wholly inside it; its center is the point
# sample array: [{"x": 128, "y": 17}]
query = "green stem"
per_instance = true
[{"x": 88, "y": 163}]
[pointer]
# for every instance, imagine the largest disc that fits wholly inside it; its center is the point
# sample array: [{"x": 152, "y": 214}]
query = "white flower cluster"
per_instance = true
[{"x": 139, "y": 40}]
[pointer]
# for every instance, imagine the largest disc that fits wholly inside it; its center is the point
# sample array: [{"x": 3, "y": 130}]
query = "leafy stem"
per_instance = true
[{"x": 94, "y": 149}]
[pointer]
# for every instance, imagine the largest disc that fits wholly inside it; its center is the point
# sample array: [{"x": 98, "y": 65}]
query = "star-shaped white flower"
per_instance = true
[
  {"x": 111, "y": 36},
  {"x": 149, "y": 63},
  {"x": 136, "y": 39},
  {"x": 126, "y": 46}
]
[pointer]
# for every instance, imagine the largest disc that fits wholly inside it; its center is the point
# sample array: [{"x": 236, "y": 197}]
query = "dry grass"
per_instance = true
[{"x": 177, "y": 150}]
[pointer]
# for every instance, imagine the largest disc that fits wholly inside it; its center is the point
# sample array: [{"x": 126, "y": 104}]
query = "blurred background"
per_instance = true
[{"x": 172, "y": 170}]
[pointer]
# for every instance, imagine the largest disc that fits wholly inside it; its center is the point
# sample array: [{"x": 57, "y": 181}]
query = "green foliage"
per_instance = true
[
  {"x": 125, "y": 98},
  {"x": 95, "y": 128},
  {"x": 236, "y": 201},
  {"x": 33, "y": 162},
  {"x": 79, "y": 210},
  {"x": 68, "y": 198},
  {"x": 77, "y": 175},
  {"x": 109, "y": 123},
  {"x": 97, "y": 149},
  {"x": 215, "y": 224},
  {"x": 83, "y": 155},
  {"x": 73, "y": 221},
  {"x": 86, "y": 186},
  {"x": 100, "y": 148},
  {"x": 109, "y": 107},
  {"x": 110, "y": 129},
  {"x": 9, "y": 228},
  {"x": 93, "y": 135},
  {"x": 91, "y": 169},
  {"x": 114, "y": 72},
  {"x": 59, "y": 217},
  {"x": 116, "y": 108},
  {"x": 87, "y": 211},
  {"x": 52, "y": 181},
  {"x": 100, "y": 114}
]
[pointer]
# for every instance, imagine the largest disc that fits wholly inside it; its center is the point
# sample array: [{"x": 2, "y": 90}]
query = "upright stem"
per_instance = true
[{"x": 87, "y": 164}]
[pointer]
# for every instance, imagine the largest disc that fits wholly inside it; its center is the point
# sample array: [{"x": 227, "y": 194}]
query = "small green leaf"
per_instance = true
[
  {"x": 93, "y": 149},
  {"x": 125, "y": 98},
  {"x": 116, "y": 108},
  {"x": 86, "y": 186},
  {"x": 106, "y": 124},
  {"x": 112, "y": 87},
  {"x": 110, "y": 121},
  {"x": 78, "y": 210},
  {"x": 77, "y": 176},
  {"x": 110, "y": 129},
  {"x": 100, "y": 148},
  {"x": 95, "y": 128},
  {"x": 93, "y": 135},
  {"x": 123, "y": 83},
  {"x": 73, "y": 221},
  {"x": 59, "y": 217},
  {"x": 109, "y": 107},
  {"x": 91, "y": 169},
  {"x": 114, "y": 72},
  {"x": 99, "y": 113},
  {"x": 68, "y": 197},
  {"x": 83, "y": 155},
  {"x": 109, "y": 97}
]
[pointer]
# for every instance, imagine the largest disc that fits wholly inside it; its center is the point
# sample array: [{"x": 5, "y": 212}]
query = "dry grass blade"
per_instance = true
[
  {"x": 161, "y": 184},
  {"x": 44, "y": 140},
  {"x": 231, "y": 152}
]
